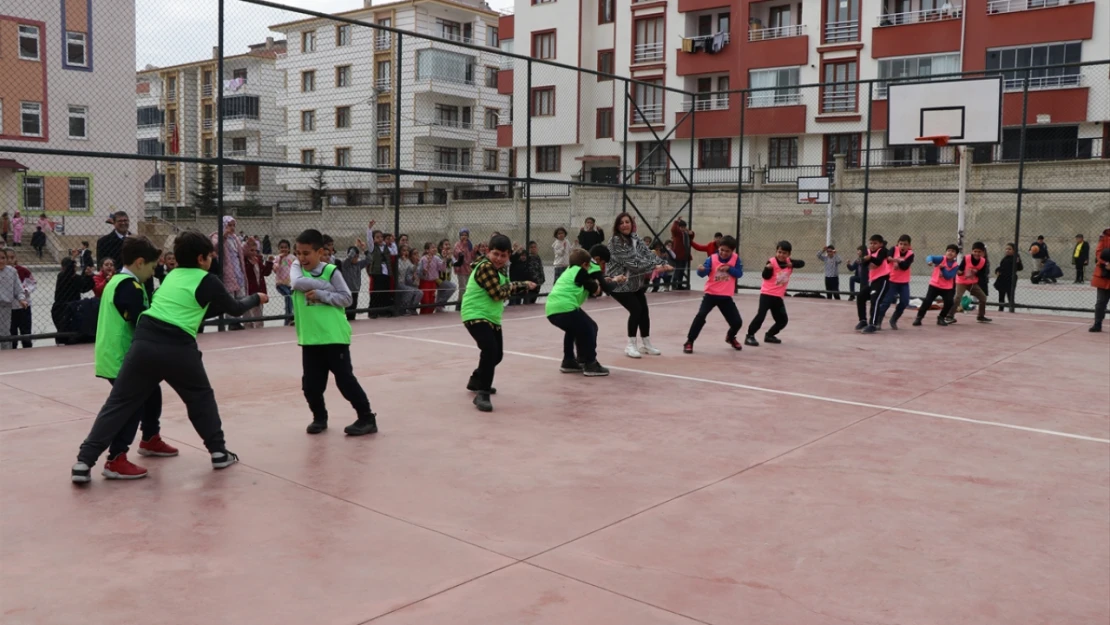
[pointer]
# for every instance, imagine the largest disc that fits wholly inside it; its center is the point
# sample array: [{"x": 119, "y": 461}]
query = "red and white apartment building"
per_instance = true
[{"x": 702, "y": 46}]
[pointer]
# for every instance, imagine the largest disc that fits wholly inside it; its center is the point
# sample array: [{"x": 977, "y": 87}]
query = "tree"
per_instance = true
[
  {"x": 318, "y": 190},
  {"x": 207, "y": 197}
]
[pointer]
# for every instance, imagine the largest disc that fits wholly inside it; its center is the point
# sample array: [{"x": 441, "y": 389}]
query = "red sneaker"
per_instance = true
[
  {"x": 731, "y": 340},
  {"x": 122, "y": 469},
  {"x": 156, "y": 447}
]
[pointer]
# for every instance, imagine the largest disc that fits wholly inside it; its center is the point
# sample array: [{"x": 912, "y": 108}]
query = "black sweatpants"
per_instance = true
[
  {"x": 21, "y": 324},
  {"x": 832, "y": 285},
  {"x": 728, "y": 309},
  {"x": 317, "y": 362},
  {"x": 777, "y": 307},
  {"x": 946, "y": 297},
  {"x": 638, "y": 317},
  {"x": 149, "y": 417},
  {"x": 580, "y": 331},
  {"x": 877, "y": 292},
  {"x": 352, "y": 307},
  {"x": 862, "y": 300},
  {"x": 491, "y": 343},
  {"x": 147, "y": 365}
]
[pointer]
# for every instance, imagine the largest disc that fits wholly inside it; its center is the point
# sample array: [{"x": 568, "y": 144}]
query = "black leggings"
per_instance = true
[
  {"x": 777, "y": 307},
  {"x": 638, "y": 317},
  {"x": 946, "y": 296},
  {"x": 490, "y": 343}
]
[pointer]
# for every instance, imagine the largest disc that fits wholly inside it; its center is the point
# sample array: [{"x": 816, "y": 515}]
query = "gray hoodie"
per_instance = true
[{"x": 333, "y": 293}]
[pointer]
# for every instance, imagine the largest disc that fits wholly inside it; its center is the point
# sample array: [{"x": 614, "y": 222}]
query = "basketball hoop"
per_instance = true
[
  {"x": 811, "y": 200},
  {"x": 938, "y": 140}
]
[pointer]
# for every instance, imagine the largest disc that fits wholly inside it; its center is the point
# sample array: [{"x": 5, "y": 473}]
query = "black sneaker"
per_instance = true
[
  {"x": 81, "y": 473},
  {"x": 731, "y": 340},
  {"x": 316, "y": 426},
  {"x": 223, "y": 459},
  {"x": 772, "y": 339},
  {"x": 917, "y": 322},
  {"x": 870, "y": 330},
  {"x": 363, "y": 426},
  {"x": 942, "y": 323},
  {"x": 570, "y": 366},
  {"x": 750, "y": 341},
  {"x": 688, "y": 348},
  {"x": 594, "y": 370},
  {"x": 481, "y": 400},
  {"x": 472, "y": 386},
  {"x": 861, "y": 325},
  {"x": 893, "y": 324},
  {"x": 1095, "y": 328},
  {"x": 950, "y": 320},
  {"x": 984, "y": 319}
]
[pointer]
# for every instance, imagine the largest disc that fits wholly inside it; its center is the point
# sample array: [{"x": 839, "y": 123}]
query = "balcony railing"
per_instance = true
[
  {"x": 437, "y": 165},
  {"x": 708, "y": 103},
  {"x": 235, "y": 153},
  {"x": 150, "y": 125},
  {"x": 238, "y": 116},
  {"x": 206, "y": 91},
  {"x": 448, "y": 123},
  {"x": 384, "y": 128},
  {"x": 1011, "y": 6},
  {"x": 383, "y": 41},
  {"x": 648, "y": 114},
  {"x": 507, "y": 62},
  {"x": 1044, "y": 82},
  {"x": 384, "y": 84},
  {"x": 917, "y": 17},
  {"x": 789, "y": 96},
  {"x": 648, "y": 52},
  {"x": 847, "y": 30},
  {"x": 207, "y": 124},
  {"x": 778, "y": 32},
  {"x": 705, "y": 42},
  {"x": 706, "y": 176},
  {"x": 790, "y": 174},
  {"x": 171, "y": 94},
  {"x": 839, "y": 101},
  {"x": 240, "y": 188}
]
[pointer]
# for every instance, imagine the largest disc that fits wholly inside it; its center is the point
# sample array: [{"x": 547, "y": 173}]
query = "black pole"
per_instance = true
[
  {"x": 740, "y": 182},
  {"x": 528, "y": 161},
  {"x": 219, "y": 146},
  {"x": 1020, "y": 186},
  {"x": 690, "y": 181},
  {"x": 624, "y": 155},
  {"x": 867, "y": 159},
  {"x": 397, "y": 141}
]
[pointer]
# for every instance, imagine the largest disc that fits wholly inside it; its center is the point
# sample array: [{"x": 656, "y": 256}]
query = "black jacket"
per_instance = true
[{"x": 1084, "y": 254}]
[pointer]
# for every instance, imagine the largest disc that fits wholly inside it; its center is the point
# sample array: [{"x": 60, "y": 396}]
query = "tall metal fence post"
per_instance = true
[
  {"x": 528, "y": 161},
  {"x": 1020, "y": 184},
  {"x": 690, "y": 180},
  {"x": 397, "y": 138},
  {"x": 740, "y": 183},
  {"x": 219, "y": 147},
  {"x": 867, "y": 159},
  {"x": 624, "y": 155}
]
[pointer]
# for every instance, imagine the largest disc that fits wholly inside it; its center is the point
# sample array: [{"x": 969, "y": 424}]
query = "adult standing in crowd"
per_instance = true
[
  {"x": 590, "y": 235},
  {"x": 233, "y": 263},
  {"x": 111, "y": 244},
  {"x": 1080, "y": 256},
  {"x": 681, "y": 236},
  {"x": 1101, "y": 279}
]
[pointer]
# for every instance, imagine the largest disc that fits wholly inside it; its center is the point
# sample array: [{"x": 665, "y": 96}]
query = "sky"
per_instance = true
[{"x": 169, "y": 32}]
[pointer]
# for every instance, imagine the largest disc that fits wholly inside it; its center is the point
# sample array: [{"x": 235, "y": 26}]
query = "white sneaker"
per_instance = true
[
  {"x": 648, "y": 349},
  {"x": 631, "y": 351}
]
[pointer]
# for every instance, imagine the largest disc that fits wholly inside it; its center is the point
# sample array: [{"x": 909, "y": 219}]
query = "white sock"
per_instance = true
[{"x": 632, "y": 342}]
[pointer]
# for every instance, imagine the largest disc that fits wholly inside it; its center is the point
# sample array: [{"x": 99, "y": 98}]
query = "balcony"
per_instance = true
[
  {"x": 383, "y": 41},
  {"x": 384, "y": 128},
  {"x": 206, "y": 91},
  {"x": 918, "y": 17},
  {"x": 842, "y": 32},
  {"x": 697, "y": 56},
  {"x": 779, "y": 32},
  {"x": 648, "y": 53},
  {"x": 171, "y": 95},
  {"x": 838, "y": 101},
  {"x": 647, "y": 114},
  {"x": 917, "y": 32},
  {"x": 384, "y": 84},
  {"x": 714, "y": 102},
  {"x": 1011, "y": 6},
  {"x": 789, "y": 175},
  {"x": 505, "y": 81},
  {"x": 207, "y": 125},
  {"x": 710, "y": 177},
  {"x": 690, "y": 6},
  {"x": 781, "y": 46},
  {"x": 786, "y": 96},
  {"x": 1039, "y": 83},
  {"x": 711, "y": 119},
  {"x": 1062, "y": 104}
]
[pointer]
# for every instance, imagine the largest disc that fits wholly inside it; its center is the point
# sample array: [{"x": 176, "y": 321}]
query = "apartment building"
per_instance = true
[
  {"x": 64, "y": 70},
  {"x": 706, "y": 46},
  {"x": 177, "y": 112},
  {"x": 342, "y": 94}
]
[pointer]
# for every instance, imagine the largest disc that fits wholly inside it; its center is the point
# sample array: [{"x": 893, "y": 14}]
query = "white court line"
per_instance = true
[{"x": 832, "y": 400}]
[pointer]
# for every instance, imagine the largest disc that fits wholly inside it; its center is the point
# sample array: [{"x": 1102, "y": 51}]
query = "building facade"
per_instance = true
[
  {"x": 177, "y": 112},
  {"x": 61, "y": 66},
  {"x": 779, "y": 46},
  {"x": 342, "y": 87}
]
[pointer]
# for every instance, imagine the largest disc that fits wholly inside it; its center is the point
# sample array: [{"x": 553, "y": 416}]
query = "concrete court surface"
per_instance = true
[{"x": 931, "y": 475}]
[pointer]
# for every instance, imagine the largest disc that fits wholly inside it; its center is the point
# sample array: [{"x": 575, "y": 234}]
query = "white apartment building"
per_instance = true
[
  {"x": 65, "y": 71},
  {"x": 704, "y": 46},
  {"x": 341, "y": 91},
  {"x": 177, "y": 113}
]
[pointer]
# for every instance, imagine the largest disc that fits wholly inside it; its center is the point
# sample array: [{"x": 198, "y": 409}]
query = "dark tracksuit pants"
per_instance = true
[
  {"x": 863, "y": 299},
  {"x": 832, "y": 285},
  {"x": 728, "y": 309},
  {"x": 147, "y": 364},
  {"x": 876, "y": 292},
  {"x": 491, "y": 343},
  {"x": 580, "y": 331},
  {"x": 149, "y": 416},
  {"x": 901, "y": 290},
  {"x": 777, "y": 307},
  {"x": 946, "y": 297},
  {"x": 317, "y": 362}
]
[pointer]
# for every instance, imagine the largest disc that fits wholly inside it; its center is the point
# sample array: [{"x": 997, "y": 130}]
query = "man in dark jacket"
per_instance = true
[
  {"x": 111, "y": 245},
  {"x": 1080, "y": 256}
]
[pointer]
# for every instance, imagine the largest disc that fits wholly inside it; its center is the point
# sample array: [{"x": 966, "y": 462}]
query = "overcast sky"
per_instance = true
[{"x": 169, "y": 32}]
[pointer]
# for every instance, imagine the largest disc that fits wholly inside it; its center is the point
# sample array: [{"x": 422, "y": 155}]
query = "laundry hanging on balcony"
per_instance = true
[
  {"x": 710, "y": 44},
  {"x": 233, "y": 85}
]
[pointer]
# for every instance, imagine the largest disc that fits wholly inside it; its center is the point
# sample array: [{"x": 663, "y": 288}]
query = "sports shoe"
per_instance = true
[
  {"x": 688, "y": 348},
  {"x": 893, "y": 324},
  {"x": 223, "y": 459},
  {"x": 317, "y": 426},
  {"x": 941, "y": 322},
  {"x": 472, "y": 386},
  {"x": 1095, "y": 328},
  {"x": 570, "y": 366},
  {"x": 861, "y": 325},
  {"x": 364, "y": 425},
  {"x": 481, "y": 400},
  {"x": 631, "y": 351},
  {"x": 984, "y": 319},
  {"x": 594, "y": 370},
  {"x": 80, "y": 473},
  {"x": 950, "y": 320},
  {"x": 750, "y": 341},
  {"x": 731, "y": 340},
  {"x": 648, "y": 349},
  {"x": 156, "y": 447},
  {"x": 917, "y": 322},
  {"x": 120, "y": 468},
  {"x": 870, "y": 330},
  {"x": 772, "y": 339}
]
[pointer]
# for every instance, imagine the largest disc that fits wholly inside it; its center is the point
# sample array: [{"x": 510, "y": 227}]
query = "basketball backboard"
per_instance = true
[
  {"x": 813, "y": 189},
  {"x": 966, "y": 111}
]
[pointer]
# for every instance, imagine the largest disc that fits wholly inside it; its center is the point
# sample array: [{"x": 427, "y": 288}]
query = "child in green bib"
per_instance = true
[
  {"x": 320, "y": 299},
  {"x": 487, "y": 290},
  {"x": 582, "y": 279}
]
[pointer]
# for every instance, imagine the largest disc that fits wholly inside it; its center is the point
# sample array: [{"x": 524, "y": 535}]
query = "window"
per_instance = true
[
  {"x": 493, "y": 39},
  {"x": 780, "y": 17},
  {"x": 841, "y": 20},
  {"x": 604, "y": 64},
  {"x": 208, "y": 148},
  {"x": 239, "y": 144},
  {"x": 722, "y": 89},
  {"x": 343, "y": 76},
  {"x": 238, "y": 180},
  {"x": 547, "y": 159},
  {"x": 206, "y": 82},
  {"x": 492, "y": 117},
  {"x": 308, "y": 41},
  {"x": 78, "y": 194},
  {"x": 308, "y": 121},
  {"x": 543, "y": 45},
  {"x": 838, "y": 95},
  {"x": 150, "y": 116},
  {"x": 491, "y": 77},
  {"x": 915, "y": 67},
  {"x": 30, "y": 114},
  {"x": 442, "y": 65},
  {"x": 78, "y": 122},
  {"x": 604, "y": 123},
  {"x": 774, "y": 87},
  {"x": 543, "y": 101},
  {"x": 240, "y": 107},
  {"x": 605, "y": 11},
  {"x": 308, "y": 81},
  {"x": 240, "y": 74},
  {"x": 32, "y": 193},
  {"x": 308, "y": 157},
  {"x": 385, "y": 118},
  {"x": 151, "y": 147},
  {"x": 385, "y": 75},
  {"x": 653, "y": 155},
  {"x": 492, "y": 158},
  {"x": 76, "y": 49},
  {"x": 342, "y": 35},
  {"x": 343, "y": 157},
  {"x": 723, "y": 22},
  {"x": 648, "y": 96},
  {"x": 383, "y": 156},
  {"x": 783, "y": 152},
  {"x": 713, "y": 153},
  {"x": 343, "y": 117},
  {"x": 207, "y": 116},
  {"x": 29, "y": 43},
  {"x": 446, "y": 115},
  {"x": 383, "y": 39},
  {"x": 452, "y": 159},
  {"x": 1012, "y": 60},
  {"x": 649, "y": 40},
  {"x": 847, "y": 144}
]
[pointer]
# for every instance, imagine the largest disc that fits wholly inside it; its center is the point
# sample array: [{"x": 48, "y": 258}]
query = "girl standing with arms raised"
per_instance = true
[{"x": 629, "y": 257}]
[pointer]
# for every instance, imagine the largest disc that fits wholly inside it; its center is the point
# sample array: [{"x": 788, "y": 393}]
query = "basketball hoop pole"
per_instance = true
[{"x": 961, "y": 202}]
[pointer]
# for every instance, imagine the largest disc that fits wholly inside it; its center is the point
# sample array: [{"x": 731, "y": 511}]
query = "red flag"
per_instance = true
[{"x": 175, "y": 142}]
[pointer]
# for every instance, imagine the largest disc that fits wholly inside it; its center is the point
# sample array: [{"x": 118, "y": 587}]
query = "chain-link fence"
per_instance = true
[{"x": 400, "y": 130}]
